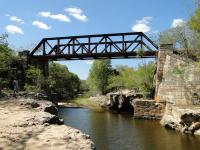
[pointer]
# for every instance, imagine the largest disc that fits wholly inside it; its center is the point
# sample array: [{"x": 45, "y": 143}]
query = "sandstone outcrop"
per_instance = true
[{"x": 33, "y": 124}]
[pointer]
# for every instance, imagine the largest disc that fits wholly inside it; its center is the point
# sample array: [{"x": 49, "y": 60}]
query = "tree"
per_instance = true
[
  {"x": 182, "y": 37},
  {"x": 84, "y": 87},
  {"x": 141, "y": 79},
  {"x": 7, "y": 61},
  {"x": 144, "y": 79},
  {"x": 62, "y": 82},
  {"x": 124, "y": 79},
  {"x": 194, "y": 24},
  {"x": 34, "y": 79},
  {"x": 194, "y": 21},
  {"x": 99, "y": 75}
]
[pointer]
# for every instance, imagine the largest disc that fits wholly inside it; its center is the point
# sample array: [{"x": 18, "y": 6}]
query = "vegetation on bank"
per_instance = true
[
  {"x": 103, "y": 78},
  {"x": 7, "y": 62},
  {"x": 60, "y": 81},
  {"x": 85, "y": 102}
]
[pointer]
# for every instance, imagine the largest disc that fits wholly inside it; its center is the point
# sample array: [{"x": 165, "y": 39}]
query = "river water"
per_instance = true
[{"x": 122, "y": 132}]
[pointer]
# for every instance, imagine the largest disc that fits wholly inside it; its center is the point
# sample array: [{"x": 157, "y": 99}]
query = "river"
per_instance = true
[{"x": 121, "y": 132}]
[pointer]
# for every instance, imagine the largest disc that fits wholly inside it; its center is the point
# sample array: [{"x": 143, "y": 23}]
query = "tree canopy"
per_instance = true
[
  {"x": 7, "y": 60},
  {"x": 99, "y": 75},
  {"x": 140, "y": 79}
]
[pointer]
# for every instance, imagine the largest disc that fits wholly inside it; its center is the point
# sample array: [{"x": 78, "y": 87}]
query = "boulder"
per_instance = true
[{"x": 52, "y": 109}]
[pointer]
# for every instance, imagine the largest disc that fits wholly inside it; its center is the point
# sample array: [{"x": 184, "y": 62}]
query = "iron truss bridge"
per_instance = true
[{"x": 99, "y": 46}]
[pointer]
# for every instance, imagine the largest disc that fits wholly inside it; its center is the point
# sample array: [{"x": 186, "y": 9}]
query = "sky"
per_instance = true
[{"x": 28, "y": 21}]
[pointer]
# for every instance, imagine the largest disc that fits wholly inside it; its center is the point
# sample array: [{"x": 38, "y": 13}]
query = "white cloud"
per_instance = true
[
  {"x": 14, "y": 29},
  {"x": 145, "y": 20},
  {"x": 177, "y": 22},
  {"x": 16, "y": 19},
  {"x": 74, "y": 10},
  {"x": 142, "y": 25},
  {"x": 77, "y": 13},
  {"x": 89, "y": 62},
  {"x": 141, "y": 28},
  {"x": 45, "y": 14},
  {"x": 59, "y": 17},
  {"x": 41, "y": 25}
]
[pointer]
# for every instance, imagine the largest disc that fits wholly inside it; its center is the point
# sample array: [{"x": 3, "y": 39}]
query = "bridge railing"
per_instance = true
[{"x": 95, "y": 46}]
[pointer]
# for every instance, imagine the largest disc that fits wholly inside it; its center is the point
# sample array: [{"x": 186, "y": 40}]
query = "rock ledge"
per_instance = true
[{"x": 32, "y": 124}]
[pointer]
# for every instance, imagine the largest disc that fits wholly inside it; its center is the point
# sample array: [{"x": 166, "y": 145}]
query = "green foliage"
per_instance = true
[
  {"x": 63, "y": 82},
  {"x": 7, "y": 60},
  {"x": 144, "y": 79},
  {"x": 34, "y": 79},
  {"x": 32, "y": 88},
  {"x": 59, "y": 81},
  {"x": 194, "y": 24},
  {"x": 99, "y": 75},
  {"x": 125, "y": 79},
  {"x": 102, "y": 78},
  {"x": 84, "y": 87},
  {"x": 194, "y": 21},
  {"x": 141, "y": 79}
]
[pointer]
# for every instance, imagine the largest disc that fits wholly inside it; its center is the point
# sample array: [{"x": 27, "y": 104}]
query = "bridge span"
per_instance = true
[{"x": 98, "y": 46}]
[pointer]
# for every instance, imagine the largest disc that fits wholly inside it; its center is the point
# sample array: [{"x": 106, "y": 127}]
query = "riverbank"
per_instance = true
[
  {"x": 81, "y": 103},
  {"x": 33, "y": 124}
]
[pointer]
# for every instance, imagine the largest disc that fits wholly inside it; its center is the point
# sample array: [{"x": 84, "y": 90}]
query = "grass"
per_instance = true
[{"x": 85, "y": 102}]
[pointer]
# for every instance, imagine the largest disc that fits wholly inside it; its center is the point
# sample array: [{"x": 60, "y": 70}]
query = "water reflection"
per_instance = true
[{"x": 121, "y": 132}]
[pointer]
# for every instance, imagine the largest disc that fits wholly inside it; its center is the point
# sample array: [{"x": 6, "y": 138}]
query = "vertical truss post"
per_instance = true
[
  {"x": 89, "y": 41},
  {"x": 69, "y": 50},
  {"x": 44, "y": 48},
  {"x": 73, "y": 45},
  {"x": 105, "y": 44},
  {"x": 123, "y": 44},
  {"x": 141, "y": 42},
  {"x": 58, "y": 46}
]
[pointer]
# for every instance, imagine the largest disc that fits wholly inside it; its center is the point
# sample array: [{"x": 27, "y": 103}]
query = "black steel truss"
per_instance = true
[{"x": 99, "y": 46}]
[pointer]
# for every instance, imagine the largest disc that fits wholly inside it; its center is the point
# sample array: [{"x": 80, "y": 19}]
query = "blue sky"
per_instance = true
[{"x": 28, "y": 21}]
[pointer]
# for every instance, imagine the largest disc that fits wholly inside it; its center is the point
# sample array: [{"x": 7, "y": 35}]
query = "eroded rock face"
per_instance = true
[
  {"x": 120, "y": 101},
  {"x": 182, "y": 118},
  {"x": 24, "y": 124}
]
